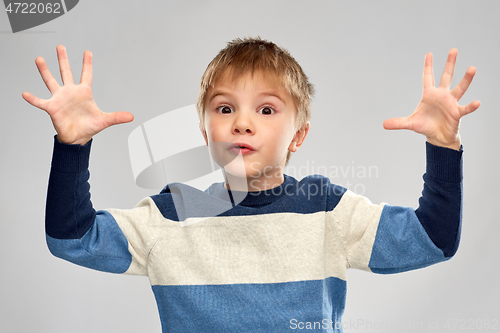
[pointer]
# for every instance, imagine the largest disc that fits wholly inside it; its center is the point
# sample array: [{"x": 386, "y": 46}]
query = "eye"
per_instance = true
[
  {"x": 224, "y": 109},
  {"x": 266, "y": 110}
]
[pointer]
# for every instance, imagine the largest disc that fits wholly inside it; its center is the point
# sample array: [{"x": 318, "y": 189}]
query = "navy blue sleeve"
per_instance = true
[
  {"x": 440, "y": 206},
  {"x": 69, "y": 211},
  {"x": 74, "y": 230}
]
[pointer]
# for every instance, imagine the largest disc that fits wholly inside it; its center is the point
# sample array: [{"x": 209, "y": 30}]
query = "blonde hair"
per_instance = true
[{"x": 241, "y": 56}]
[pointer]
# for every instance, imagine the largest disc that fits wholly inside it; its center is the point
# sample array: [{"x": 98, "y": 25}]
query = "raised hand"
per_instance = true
[
  {"x": 72, "y": 109},
  {"x": 438, "y": 114}
]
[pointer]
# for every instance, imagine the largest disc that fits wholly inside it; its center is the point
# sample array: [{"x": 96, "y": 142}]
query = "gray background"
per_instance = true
[{"x": 366, "y": 60}]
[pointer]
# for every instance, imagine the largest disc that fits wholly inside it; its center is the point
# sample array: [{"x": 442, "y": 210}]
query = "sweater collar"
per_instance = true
[{"x": 257, "y": 198}]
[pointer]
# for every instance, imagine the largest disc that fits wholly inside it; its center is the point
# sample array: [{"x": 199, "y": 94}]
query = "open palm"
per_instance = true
[
  {"x": 438, "y": 114},
  {"x": 72, "y": 109}
]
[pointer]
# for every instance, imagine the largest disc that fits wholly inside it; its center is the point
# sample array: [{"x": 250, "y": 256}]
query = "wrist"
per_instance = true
[
  {"x": 454, "y": 145},
  {"x": 444, "y": 164},
  {"x": 81, "y": 142},
  {"x": 70, "y": 158}
]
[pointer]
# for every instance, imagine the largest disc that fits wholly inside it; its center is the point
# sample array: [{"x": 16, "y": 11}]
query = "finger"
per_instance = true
[
  {"x": 66, "y": 75},
  {"x": 462, "y": 87},
  {"x": 469, "y": 108},
  {"x": 449, "y": 69},
  {"x": 47, "y": 77},
  {"x": 87, "y": 68},
  {"x": 428, "y": 78},
  {"x": 35, "y": 101},
  {"x": 119, "y": 117},
  {"x": 397, "y": 123}
]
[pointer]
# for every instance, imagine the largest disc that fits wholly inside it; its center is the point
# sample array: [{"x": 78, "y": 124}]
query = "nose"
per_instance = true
[{"x": 243, "y": 124}]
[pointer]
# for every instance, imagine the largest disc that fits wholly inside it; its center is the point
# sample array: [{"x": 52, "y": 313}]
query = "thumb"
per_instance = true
[
  {"x": 119, "y": 117},
  {"x": 35, "y": 101},
  {"x": 397, "y": 123}
]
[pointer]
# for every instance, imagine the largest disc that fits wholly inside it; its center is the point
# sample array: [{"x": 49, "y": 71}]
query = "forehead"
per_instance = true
[{"x": 257, "y": 80}]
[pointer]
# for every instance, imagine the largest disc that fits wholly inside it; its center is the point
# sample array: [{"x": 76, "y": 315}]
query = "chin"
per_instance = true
[
  {"x": 236, "y": 172},
  {"x": 235, "y": 166}
]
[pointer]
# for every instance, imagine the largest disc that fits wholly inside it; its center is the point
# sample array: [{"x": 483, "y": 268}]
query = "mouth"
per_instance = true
[{"x": 240, "y": 147}]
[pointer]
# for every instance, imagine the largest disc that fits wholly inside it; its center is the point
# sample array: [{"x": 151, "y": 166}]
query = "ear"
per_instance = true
[
  {"x": 299, "y": 138},
  {"x": 203, "y": 132}
]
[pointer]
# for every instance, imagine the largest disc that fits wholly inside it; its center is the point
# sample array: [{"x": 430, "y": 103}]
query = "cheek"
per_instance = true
[
  {"x": 280, "y": 138},
  {"x": 210, "y": 128},
  {"x": 287, "y": 133}
]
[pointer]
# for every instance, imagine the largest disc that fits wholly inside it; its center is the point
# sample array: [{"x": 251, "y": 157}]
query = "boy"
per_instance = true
[{"x": 276, "y": 261}]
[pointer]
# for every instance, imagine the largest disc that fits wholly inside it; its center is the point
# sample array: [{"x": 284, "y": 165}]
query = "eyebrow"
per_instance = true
[
  {"x": 273, "y": 94},
  {"x": 216, "y": 93},
  {"x": 219, "y": 92}
]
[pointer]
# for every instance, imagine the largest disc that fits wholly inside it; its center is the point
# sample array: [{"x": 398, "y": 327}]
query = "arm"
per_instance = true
[
  {"x": 75, "y": 231},
  {"x": 393, "y": 239},
  {"x": 438, "y": 117},
  {"x": 408, "y": 239},
  {"x": 115, "y": 241},
  {"x": 440, "y": 206}
]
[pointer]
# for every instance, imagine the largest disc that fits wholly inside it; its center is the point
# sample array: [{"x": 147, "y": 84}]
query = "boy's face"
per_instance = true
[{"x": 254, "y": 117}]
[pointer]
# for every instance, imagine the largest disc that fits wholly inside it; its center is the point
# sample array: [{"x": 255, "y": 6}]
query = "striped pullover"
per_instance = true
[{"x": 275, "y": 262}]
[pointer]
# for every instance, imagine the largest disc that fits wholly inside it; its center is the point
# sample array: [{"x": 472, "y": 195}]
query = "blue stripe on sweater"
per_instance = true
[
  {"x": 104, "y": 246},
  {"x": 401, "y": 243},
  {"x": 273, "y": 307}
]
